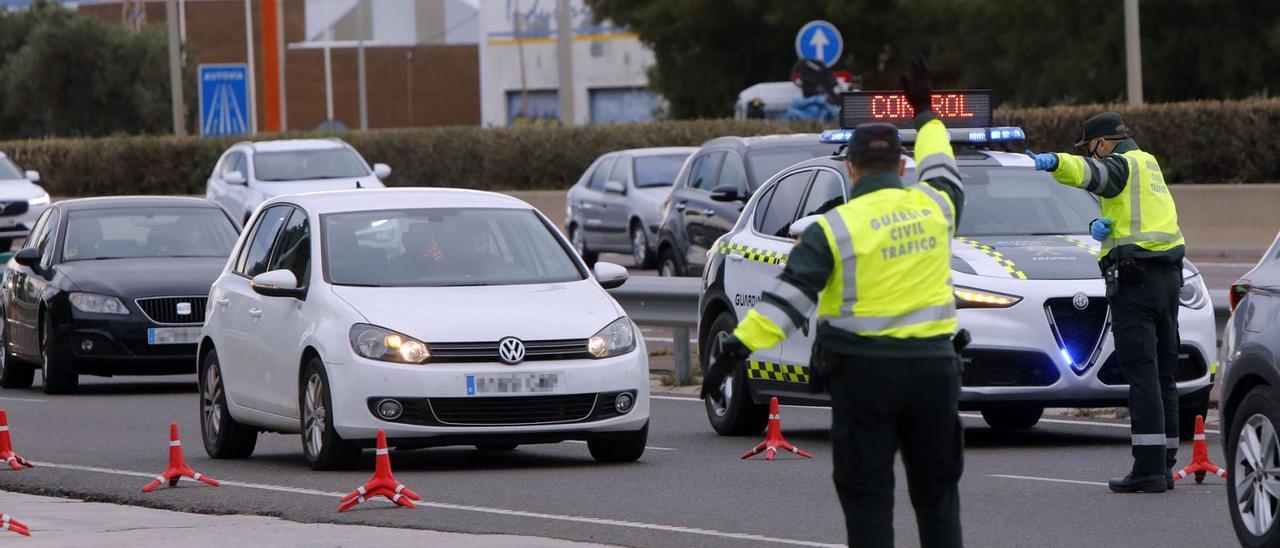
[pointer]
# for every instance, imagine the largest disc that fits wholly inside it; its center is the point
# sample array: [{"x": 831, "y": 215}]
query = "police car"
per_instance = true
[{"x": 1025, "y": 272}]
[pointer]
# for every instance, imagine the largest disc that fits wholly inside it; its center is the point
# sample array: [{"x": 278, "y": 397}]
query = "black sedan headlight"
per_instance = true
[
  {"x": 94, "y": 303},
  {"x": 379, "y": 343},
  {"x": 617, "y": 338}
]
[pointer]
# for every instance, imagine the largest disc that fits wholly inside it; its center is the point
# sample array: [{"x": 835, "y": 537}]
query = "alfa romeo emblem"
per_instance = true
[
  {"x": 1080, "y": 301},
  {"x": 511, "y": 351}
]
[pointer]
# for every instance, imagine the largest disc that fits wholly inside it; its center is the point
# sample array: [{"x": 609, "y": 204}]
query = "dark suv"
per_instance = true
[
  {"x": 712, "y": 188},
  {"x": 1250, "y": 357}
]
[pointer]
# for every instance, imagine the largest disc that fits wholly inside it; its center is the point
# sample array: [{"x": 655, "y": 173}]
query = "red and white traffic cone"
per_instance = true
[
  {"x": 1200, "y": 463},
  {"x": 14, "y": 460},
  {"x": 381, "y": 484},
  {"x": 7, "y": 523},
  {"x": 773, "y": 439},
  {"x": 177, "y": 465}
]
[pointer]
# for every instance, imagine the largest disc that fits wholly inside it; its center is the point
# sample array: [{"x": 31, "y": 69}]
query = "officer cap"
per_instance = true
[
  {"x": 1102, "y": 125},
  {"x": 874, "y": 143}
]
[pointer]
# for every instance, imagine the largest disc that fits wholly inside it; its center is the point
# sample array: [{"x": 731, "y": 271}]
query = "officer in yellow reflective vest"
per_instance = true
[
  {"x": 877, "y": 272},
  {"x": 1142, "y": 251}
]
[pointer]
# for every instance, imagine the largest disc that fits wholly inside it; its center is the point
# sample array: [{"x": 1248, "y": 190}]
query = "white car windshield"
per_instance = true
[
  {"x": 299, "y": 165},
  {"x": 9, "y": 171},
  {"x": 131, "y": 233},
  {"x": 1003, "y": 201},
  {"x": 443, "y": 247}
]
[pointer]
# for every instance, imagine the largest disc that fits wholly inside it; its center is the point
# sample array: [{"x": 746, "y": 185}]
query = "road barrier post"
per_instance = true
[{"x": 680, "y": 336}]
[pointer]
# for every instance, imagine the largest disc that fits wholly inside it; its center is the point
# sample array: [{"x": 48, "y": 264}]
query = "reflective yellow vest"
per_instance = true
[
  {"x": 892, "y": 276},
  {"x": 1144, "y": 213}
]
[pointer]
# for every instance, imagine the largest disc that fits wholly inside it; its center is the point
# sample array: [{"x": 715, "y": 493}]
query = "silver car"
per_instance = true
[{"x": 616, "y": 206}]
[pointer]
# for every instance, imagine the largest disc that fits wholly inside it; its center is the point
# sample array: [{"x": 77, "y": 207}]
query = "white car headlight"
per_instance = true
[
  {"x": 615, "y": 339},
  {"x": 42, "y": 199},
  {"x": 968, "y": 297},
  {"x": 98, "y": 304},
  {"x": 1193, "y": 293},
  {"x": 377, "y": 343}
]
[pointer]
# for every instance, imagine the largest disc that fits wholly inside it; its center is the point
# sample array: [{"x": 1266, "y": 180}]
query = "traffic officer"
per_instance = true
[
  {"x": 1142, "y": 250},
  {"x": 877, "y": 272}
]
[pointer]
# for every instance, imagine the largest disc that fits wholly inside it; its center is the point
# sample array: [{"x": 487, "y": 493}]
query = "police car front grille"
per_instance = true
[
  {"x": 1078, "y": 331},
  {"x": 506, "y": 410},
  {"x": 989, "y": 367},
  {"x": 471, "y": 352},
  {"x": 164, "y": 310},
  {"x": 1191, "y": 366}
]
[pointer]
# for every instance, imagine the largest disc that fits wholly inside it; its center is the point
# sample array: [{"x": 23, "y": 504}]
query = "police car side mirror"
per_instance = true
[
  {"x": 798, "y": 227},
  {"x": 615, "y": 187},
  {"x": 235, "y": 178},
  {"x": 610, "y": 275},
  {"x": 32, "y": 175},
  {"x": 726, "y": 193},
  {"x": 27, "y": 256}
]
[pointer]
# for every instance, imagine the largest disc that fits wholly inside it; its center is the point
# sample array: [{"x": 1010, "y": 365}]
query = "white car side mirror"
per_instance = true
[
  {"x": 797, "y": 228},
  {"x": 610, "y": 275},
  {"x": 615, "y": 187},
  {"x": 33, "y": 175},
  {"x": 276, "y": 283},
  {"x": 381, "y": 171},
  {"x": 235, "y": 178}
]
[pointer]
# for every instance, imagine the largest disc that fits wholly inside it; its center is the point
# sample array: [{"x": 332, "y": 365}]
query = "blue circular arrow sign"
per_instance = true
[{"x": 819, "y": 40}]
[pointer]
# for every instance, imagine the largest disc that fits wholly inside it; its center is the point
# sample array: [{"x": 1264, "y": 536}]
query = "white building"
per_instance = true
[{"x": 609, "y": 66}]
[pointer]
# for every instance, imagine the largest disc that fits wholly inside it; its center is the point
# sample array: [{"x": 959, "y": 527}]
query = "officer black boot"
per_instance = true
[{"x": 1147, "y": 483}]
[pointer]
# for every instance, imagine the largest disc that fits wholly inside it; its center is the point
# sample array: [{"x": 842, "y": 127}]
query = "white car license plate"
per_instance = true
[
  {"x": 173, "y": 335},
  {"x": 513, "y": 383},
  {"x": 6, "y": 222}
]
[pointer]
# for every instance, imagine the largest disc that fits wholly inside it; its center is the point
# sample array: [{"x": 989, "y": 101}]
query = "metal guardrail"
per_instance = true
[{"x": 673, "y": 302}]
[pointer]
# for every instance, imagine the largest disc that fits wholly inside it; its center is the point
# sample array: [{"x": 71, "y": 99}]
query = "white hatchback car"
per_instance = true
[
  {"x": 21, "y": 201},
  {"x": 443, "y": 316},
  {"x": 249, "y": 173}
]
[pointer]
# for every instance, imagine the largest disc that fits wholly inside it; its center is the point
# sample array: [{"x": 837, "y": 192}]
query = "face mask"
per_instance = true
[{"x": 1093, "y": 151}]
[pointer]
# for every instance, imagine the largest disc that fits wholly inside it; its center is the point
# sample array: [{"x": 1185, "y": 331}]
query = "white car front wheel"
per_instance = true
[{"x": 321, "y": 444}]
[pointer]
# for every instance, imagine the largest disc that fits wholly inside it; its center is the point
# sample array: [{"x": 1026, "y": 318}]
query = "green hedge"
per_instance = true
[{"x": 1211, "y": 141}]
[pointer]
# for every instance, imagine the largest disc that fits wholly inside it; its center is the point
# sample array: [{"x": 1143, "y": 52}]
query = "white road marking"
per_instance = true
[
  {"x": 1226, "y": 265},
  {"x": 7, "y": 398},
  {"x": 692, "y": 342},
  {"x": 1053, "y": 480},
  {"x": 965, "y": 415},
  {"x": 646, "y": 447},
  {"x": 481, "y": 509}
]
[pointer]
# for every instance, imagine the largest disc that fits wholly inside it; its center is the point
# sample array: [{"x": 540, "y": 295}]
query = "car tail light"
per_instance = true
[{"x": 1238, "y": 291}]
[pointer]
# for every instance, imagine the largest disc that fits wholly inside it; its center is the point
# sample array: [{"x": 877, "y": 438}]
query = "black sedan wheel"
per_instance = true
[
  {"x": 13, "y": 374},
  {"x": 669, "y": 265},
  {"x": 1253, "y": 469},
  {"x": 323, "y": 447},
  {"x": 55, "y": 370},
  {"x": 224, "y": 438}
]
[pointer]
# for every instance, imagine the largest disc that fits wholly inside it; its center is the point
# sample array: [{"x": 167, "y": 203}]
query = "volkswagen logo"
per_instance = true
[
  {"x": 1080, "y": 301},
  {"x": 510, "y": 350}
]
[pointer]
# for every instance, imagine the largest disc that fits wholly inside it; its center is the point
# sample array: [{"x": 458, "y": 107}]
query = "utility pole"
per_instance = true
[
  {"x": 175, "y": 69},
  {"x": 564, "y": 46},
  {"x": 253, "y": 87},
  {"x": 364, "y": 104},
  {"x": 284, "y": 99},
  {"x": 518, "y": 27},
  {"x": 1132, "y": 52}
]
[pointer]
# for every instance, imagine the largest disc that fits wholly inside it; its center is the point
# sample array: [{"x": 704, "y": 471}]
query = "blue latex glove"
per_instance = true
[
  {"x": 1044, "y": 161},
  {"x": 1100, "y": 229}
]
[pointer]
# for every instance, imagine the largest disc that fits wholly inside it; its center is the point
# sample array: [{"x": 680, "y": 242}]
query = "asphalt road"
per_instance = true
[{"x": 1043, "y": 487}]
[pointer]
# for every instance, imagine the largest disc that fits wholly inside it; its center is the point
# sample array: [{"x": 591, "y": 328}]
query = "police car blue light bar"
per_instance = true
[{"x": 974, "y": 135}]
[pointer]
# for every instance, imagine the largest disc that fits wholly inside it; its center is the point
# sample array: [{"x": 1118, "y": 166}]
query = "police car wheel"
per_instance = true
[
  {"x": 1012, "y": 416},
  {"x": 734, "y": 414},
  {"x": 1253, "y": 458},
  {"x": 1190, "y": 405}
]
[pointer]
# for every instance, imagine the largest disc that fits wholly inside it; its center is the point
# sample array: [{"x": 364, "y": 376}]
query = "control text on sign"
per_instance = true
[
  {"x": 888, "y": 106},
  {"x": 956, "y": 108}
]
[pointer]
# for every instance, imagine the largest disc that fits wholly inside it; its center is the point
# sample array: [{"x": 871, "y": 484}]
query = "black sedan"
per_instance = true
[{"x": 111, "y": 286}]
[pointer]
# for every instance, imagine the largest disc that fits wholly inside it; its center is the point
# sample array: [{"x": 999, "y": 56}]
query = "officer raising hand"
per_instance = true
[{"x": 877, "y": 273}]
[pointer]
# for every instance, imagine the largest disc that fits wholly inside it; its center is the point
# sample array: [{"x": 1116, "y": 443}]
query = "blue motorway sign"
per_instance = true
[
  {"x": 819, "y": 40},
  {"x": 224, "y": 99}
]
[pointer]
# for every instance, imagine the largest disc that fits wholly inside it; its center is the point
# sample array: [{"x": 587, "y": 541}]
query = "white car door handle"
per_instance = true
[
  {"x": 255, "y": 312},
  {"x": 735, "y": 257}
]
